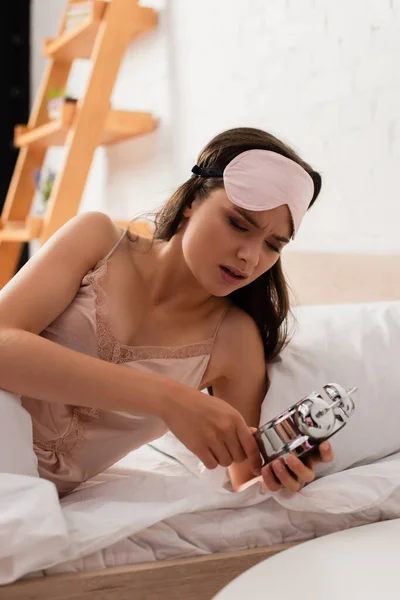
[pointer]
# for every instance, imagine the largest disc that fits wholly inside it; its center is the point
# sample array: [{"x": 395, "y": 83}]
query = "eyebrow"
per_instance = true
[{"x": 250, "y": 220}]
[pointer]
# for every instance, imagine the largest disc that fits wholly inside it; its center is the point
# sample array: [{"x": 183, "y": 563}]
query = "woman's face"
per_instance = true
[{"x": 227, "y": 247}]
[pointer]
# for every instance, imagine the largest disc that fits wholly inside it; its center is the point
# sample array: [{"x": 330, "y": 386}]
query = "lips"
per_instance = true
[
  {"x": 236, "y": 272},
  {"x": 232, "y": 275}
]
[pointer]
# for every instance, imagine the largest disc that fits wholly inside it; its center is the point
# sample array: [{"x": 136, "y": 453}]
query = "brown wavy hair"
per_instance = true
[{"x": 267, "y": 298}]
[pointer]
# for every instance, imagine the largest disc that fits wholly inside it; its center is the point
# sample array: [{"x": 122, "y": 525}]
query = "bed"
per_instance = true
[{"x": 192, "y": 548}]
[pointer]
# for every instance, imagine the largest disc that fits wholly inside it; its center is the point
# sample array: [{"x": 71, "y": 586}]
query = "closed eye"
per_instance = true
[
  {"x": 274, "y": 248},
  {"x": 235, "y": 225}
]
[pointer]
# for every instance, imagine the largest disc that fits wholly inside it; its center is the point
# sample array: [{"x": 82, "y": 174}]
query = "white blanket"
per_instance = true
[{"x": 150, "y": 507}]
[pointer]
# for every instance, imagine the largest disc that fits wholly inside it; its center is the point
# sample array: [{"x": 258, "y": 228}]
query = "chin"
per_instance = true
[
  {"x": 223, "y": 291},
  {"x": 221, "y": 294},
  {"x": 214, "y": 290}
]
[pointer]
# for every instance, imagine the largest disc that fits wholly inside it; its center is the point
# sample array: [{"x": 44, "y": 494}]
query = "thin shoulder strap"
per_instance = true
[
  {"x": 222, "y": 317},
  {"x": 113, "y": 249}
]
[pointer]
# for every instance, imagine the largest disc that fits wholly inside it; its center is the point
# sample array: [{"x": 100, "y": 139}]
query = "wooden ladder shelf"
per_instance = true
[{"x": 102, "y": 35}]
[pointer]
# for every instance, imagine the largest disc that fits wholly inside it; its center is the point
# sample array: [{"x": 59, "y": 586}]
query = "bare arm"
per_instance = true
[
  {"x": 244, "y": 381},
  {"x": 244, "y": 386},
  {"x": 33, "y": 366}
]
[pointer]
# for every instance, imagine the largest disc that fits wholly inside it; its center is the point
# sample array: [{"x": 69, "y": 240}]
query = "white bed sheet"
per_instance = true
[{"x": 149, "y": 508}]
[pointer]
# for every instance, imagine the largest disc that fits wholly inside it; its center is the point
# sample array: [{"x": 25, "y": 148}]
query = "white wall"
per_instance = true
[
  {"x": 321, "y": 75},
  {"x": 45, "y": 19}
]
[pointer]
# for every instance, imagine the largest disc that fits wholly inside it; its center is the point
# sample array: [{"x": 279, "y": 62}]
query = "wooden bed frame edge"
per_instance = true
[{"x": 195, "y": 578}]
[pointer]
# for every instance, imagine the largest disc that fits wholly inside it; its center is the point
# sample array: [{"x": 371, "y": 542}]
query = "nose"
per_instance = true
[{"x": 250, "y": 253}]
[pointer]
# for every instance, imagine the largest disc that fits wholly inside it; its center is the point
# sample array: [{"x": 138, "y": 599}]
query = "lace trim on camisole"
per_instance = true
[
  {"x": 111, "y": 350},
  {"x": 75, "y": 437}
]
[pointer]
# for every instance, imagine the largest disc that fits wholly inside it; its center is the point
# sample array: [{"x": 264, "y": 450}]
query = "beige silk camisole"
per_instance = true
[{"x": 74, "y": 443}]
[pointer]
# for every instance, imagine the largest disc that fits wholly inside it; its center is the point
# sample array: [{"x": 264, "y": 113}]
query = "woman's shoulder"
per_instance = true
[
  {"x": 93, "y": 229},
  {"x": 238, "y": 323},
  {"x": 238, "y": 342},
  {"x": 80, "y": 243},
  {"x": 96, "y": 232}
]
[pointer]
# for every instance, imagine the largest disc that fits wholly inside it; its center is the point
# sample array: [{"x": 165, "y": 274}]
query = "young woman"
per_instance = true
[{"x": 109, "y": 337}]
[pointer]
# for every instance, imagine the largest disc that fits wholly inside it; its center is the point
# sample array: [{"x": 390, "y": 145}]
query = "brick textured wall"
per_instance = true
[{"x": 322, "y": 75}]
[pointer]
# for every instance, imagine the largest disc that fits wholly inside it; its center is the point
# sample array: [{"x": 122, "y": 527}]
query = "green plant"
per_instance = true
[
  {"x": 44, "y": 183},
  {"x": 54, "y": 93}
]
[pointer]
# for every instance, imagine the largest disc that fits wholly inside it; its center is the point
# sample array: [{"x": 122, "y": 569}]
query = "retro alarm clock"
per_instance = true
[{"x": 302, "y": 427}]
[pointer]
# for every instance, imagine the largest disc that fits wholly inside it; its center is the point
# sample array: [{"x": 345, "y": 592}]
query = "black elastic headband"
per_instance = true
[{"x": 207, "y": 171}]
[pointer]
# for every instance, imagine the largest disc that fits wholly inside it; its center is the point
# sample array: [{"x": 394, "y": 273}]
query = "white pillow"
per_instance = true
[
  {"x": 353, "y": 345},
  {"x": 16, "y": 444}
]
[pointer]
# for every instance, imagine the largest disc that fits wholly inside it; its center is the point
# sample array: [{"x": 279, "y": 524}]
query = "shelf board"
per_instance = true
[
  {"x": 52, "y": 133},
  {"x": 21, "y": 231},
  {"x": 123, "y": 124},
  {"x": 146, "y": 20},
  {"x": 120, "y": 125},
  {"x": 77, "y": 42},
  {"x": 144, "y": 228}
]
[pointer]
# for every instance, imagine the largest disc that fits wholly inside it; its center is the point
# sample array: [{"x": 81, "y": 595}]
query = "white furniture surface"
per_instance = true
[{"x": 359, "y": 563}]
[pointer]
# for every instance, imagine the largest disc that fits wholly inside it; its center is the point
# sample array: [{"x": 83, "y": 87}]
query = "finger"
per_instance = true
[
  {"x": 270, "y": 480},
  {"x": 287, "y": 480},
  {"x": 302, "y": 472},
  {"x": 250, "y": 447},
  {"x": 208, "y": 459},
  {"x": 235, "y": 449},
  {"x": 326, "y": 452},
  {"x": 222, "y": 454},
  {"x": 322, "y": 453}
]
